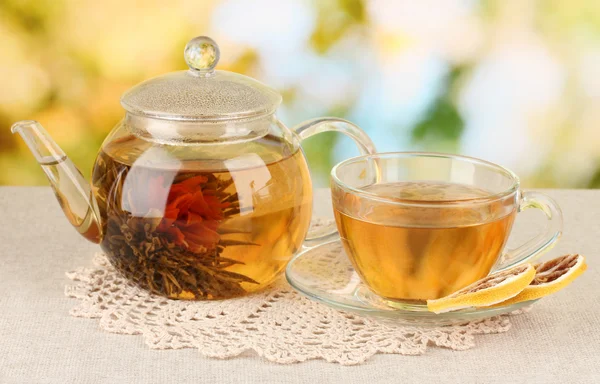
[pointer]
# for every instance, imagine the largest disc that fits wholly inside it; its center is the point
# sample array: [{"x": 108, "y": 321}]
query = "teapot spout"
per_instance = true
[{"x": 70, "y": 187}]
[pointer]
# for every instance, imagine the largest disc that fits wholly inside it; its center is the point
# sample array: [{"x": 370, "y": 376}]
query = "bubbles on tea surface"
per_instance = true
[
  {"x": 427, "y": 191},
  {"x": 425, "y": 204}
]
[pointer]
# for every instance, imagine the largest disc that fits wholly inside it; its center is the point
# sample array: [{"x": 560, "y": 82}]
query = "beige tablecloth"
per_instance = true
[{"x": 557, "y": 342}]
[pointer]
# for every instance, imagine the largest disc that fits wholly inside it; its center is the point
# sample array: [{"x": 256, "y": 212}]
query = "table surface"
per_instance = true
[{"x": 558, "y": 341}]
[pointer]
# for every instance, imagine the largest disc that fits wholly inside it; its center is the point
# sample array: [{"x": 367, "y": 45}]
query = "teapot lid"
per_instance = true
[{"x": 201, "y": 93}]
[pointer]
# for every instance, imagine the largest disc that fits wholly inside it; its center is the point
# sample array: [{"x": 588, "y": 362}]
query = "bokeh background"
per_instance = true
[{"x": 512, "y": 81}]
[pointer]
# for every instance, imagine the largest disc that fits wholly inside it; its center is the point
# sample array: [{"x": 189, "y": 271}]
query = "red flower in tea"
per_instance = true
[{"x": 192, "y": 215}]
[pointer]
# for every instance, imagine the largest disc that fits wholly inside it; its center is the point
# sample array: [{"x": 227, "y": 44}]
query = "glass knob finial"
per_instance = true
[{"x": 201, "y": 54}]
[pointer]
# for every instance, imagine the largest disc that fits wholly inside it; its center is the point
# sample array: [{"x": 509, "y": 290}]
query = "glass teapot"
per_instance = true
[{"x": 200, "y": 192}]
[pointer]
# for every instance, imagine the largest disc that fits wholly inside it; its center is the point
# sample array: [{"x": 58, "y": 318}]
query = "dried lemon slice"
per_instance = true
[
  {"x": 551, "y": 276},
  {"x": 490, "y": 290}
]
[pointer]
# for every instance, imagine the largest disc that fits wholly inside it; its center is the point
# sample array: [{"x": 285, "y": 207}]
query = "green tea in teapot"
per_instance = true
[
  {"x": 201, "y": 229},
  {"x": 200, "y": 191}
]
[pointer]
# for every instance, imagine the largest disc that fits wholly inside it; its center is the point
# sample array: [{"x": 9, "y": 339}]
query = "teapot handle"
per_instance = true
[{"x": 331, "y": 124}]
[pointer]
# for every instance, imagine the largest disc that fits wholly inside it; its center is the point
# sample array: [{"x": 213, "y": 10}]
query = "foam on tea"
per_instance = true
[
  {"x": 415, "y": 253},
  {"x": 427, "y": 191}
]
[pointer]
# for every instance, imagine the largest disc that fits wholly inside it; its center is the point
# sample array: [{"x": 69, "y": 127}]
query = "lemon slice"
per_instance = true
[
  {"x": 490, "y": 290},
  {"x": 551, "y": 276}
]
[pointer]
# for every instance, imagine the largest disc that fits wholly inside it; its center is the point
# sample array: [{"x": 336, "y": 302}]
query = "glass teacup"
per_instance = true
[{"x": 419, "y": 226}]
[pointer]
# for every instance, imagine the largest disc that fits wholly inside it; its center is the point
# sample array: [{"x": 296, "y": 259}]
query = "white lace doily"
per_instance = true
[{"x": 278, "y": 324}]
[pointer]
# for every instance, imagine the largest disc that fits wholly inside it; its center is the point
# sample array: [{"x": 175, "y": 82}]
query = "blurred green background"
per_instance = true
[{"x": 515, "y": 81}]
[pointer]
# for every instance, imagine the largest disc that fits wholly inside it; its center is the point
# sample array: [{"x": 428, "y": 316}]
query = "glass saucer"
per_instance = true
[{"x": 324, "y": 273}]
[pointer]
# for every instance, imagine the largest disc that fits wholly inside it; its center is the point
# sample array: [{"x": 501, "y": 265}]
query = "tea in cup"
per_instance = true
[{"x": 419, "y": 226}]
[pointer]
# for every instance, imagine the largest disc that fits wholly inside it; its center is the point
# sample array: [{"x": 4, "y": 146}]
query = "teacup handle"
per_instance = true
[
  {"x": 332, "y": 124},
  {"x": 542, "y": 242}
]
